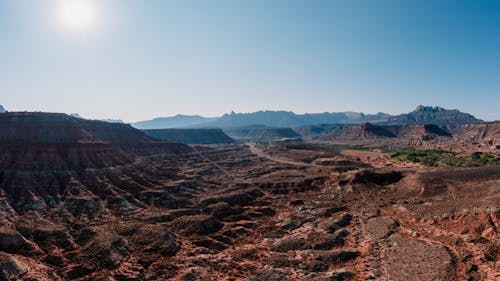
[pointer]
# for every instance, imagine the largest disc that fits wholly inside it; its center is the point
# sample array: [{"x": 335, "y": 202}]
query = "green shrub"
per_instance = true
[
  {"x": 428, "y": 157},
  {"x": 476, "y": 159}
]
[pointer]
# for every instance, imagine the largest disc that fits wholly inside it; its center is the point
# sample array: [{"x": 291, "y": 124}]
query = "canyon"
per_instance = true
[{"x": 91, "y": 200}]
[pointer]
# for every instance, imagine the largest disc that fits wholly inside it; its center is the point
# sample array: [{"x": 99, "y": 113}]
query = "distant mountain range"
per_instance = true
[
  {"x": 433, "y": 115},
  {"x": 174, "y": 122},
  {"x": 282, "y": 119},
  {"x": 287, "y": 119},
  {"x": 77, "y": 115}
]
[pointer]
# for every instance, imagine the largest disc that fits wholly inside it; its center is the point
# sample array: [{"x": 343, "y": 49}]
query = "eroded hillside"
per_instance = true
[{"x": 295, "y": 212}]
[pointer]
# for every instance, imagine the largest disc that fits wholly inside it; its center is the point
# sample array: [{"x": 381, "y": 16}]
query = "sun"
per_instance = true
[{"x": 77, "y": 15}]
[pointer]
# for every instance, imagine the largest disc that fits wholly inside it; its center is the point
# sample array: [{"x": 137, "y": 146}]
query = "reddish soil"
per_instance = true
[{"x": 241, "y": 213}]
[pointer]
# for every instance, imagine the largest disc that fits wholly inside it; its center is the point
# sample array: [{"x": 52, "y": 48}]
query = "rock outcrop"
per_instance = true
[
  {"x": 55, "y": 160},
  {"x": 10, "y": 268},
  {"x": 487, "y": 134}
]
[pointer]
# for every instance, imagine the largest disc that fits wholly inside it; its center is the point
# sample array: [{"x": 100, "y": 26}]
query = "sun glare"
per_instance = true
[{"x": 78, "y": 15}]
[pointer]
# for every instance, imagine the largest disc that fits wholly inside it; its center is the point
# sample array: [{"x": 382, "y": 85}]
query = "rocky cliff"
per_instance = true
[{"x": 54, "y": 160}]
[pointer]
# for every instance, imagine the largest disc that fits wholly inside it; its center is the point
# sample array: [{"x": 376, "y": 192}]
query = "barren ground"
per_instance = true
[{"x": 266, "y": 213}]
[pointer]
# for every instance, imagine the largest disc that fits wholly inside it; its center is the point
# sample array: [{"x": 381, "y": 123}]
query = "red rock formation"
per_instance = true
[{"x": 48, "y": 159}]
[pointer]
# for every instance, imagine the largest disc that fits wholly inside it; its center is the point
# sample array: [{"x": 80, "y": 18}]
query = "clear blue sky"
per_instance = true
[{"x": 142, "y": 59}]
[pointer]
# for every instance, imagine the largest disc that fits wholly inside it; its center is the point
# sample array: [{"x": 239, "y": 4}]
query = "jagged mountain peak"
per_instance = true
[
  {"x": 426, "y": 108},
  {"x": 433, "y": 115}
]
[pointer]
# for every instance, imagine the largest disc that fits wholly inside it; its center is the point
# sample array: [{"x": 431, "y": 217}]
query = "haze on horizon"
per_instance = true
[{"x": 137, "y": 60}]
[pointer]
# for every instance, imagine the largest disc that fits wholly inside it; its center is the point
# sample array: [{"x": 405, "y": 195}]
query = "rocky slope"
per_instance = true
[
  {"x": 371, "y": 131},
  {"x": 352, "y": 132},
  {"x": 266, "y": 212},
  {"x": 53, "y": 159},
  {"x": 227, "y": 214},
  {"x": 425, "y": 131},
  {"x": 191, "y": 136},
  {"x": 485, "y": 134},
  {"x": 58, "y": 128}
]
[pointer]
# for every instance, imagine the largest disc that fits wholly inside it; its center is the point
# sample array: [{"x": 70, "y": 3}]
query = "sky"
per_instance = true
[{"x": 135, "y": 60}]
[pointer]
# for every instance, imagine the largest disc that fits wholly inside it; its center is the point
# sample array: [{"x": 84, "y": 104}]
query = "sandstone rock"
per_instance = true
[
  {"x": 240, "y": 197},
  {"x": 107, "y": 251},
  {"x": 55, "y": 259},
  {"x": 222, "y": 210},
  {"x": 332, "y": 225},
  {"x": 48, "y": 235},
  {"x": 289, "y": 244},
  {"x": 151, "y": 238},
  {"x": 340, "y": 275},
  {"x": 198, "y": 224},
  {"x": 329, "y": 211},
  {"x": 12, "y": 241},
  {"x": 10, "y": 268},
  {"x": 281, "y": 260},
  {"x": 337, "y": 257},
  {"x": 323, "y": 241},
  {"x": 211, "y": 244}
]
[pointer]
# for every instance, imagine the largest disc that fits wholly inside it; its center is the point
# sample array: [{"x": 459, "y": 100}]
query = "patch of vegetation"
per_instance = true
[
  {"x": 476, "y": 159},
  {"x": 435, "y": 157},
  {"x": 428, "y": 157}
]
